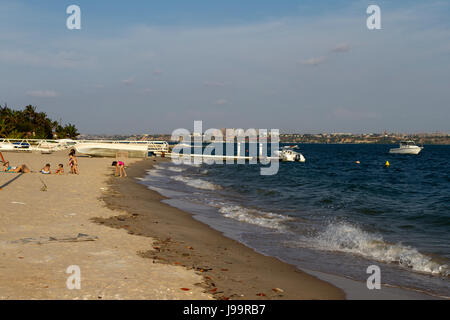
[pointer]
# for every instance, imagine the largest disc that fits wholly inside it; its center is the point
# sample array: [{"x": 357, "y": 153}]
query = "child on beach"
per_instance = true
[
  {"x": 73, "y": 163},
  {"x": 46, "y": 169},
  {"x": 120, "y": 168},
  {"x": 60, "y": 169}
]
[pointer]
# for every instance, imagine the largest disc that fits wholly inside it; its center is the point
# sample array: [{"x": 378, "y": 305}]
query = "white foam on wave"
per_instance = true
[
  {"x": 256, "y": 217},
  {"x": 196, "y": 183},
  {"x": 344, "y": 237},
  {"x": 154, "y": 173},
  {"x": 176, "y": 169}
]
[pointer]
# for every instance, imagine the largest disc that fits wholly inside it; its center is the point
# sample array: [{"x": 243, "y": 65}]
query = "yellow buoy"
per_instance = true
[{"x": 387, "y": 164}]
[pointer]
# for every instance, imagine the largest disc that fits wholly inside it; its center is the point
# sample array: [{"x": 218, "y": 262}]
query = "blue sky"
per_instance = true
[{"x": 304, "y": 66}]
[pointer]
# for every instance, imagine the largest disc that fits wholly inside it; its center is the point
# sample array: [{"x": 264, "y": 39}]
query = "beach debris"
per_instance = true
[
  {"x": 15, "y": 202},
  {"x": 70, "y": 215},
  {"x": 44, "y": 186},
  {"x": 45, "y": 240},
  {"x": 277, "y": 290},
  {"x": 261, "y": 294},
  {"x": 185, "y": 289}
]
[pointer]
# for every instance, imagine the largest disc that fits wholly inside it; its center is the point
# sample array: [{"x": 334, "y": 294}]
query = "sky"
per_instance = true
[{"x": 152, "y": 66}]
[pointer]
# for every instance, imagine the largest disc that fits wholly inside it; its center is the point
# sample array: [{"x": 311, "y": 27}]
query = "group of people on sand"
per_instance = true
[{"x": 73, "y": 164}]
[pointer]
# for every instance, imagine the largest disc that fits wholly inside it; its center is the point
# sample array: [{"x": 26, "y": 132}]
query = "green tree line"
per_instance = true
[{"x": 28, "y": 123}]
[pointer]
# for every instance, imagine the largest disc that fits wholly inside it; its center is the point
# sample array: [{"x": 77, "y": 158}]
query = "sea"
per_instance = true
[{"x": 330, "y": 214}]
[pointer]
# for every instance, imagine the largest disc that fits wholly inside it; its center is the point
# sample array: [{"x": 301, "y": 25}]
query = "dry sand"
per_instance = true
[{"x": 110, "y": 266}]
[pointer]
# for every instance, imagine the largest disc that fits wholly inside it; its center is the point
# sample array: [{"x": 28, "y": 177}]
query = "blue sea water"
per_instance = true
[{"x": 331, "y": 214}]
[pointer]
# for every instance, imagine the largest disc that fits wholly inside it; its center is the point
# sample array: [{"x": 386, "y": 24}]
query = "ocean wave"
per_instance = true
[
  {"x": 196, "y": 183},
  {"x": 256, "y": 217},
  {"x": 176, "y": 169},
  {"x": 344, "y": 237},
  {"x": 154, "y": 173},
  {"x": 170, "y": 168}
]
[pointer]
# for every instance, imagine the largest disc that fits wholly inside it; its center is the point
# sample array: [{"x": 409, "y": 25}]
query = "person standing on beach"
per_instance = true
[{"x": 73, "y": 162}]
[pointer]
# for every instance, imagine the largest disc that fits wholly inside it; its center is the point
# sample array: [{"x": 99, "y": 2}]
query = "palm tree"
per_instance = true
[{"x": 71, "y": 131}]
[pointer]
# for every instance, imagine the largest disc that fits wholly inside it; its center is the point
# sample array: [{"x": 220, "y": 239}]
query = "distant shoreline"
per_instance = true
[{"x": 427, "y": 139}]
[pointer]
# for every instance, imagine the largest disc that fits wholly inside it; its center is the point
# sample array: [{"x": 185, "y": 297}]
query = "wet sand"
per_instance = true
[{"x": 229, "y": 270}]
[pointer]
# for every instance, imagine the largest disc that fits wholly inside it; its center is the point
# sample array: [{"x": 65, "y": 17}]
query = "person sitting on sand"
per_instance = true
[
  {"x": 20, "y": 169},
  {"x": 73, "y": 163},
  {"x": 46, "y": 169},
  {"x": 120, "y": 168},
  {"x": 60, "y": 169},
  {"x": 6, "y": 166}
]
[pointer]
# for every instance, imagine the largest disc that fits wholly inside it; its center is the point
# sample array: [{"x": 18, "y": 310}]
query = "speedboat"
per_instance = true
[
  {"x": 289, "y": 155},
  {"x": 406, "y": 147}
]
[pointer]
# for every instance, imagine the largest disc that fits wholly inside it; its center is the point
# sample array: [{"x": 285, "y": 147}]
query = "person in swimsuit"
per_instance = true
[
  {"x": 6, "y": 167},
  {"x": 120, "y": 168},
  {"x": 20, "y": 169},
  {"x": 46, "y": 169},
  {"x": 60, "y": 169},
  {"x": 73, "y": 163}
]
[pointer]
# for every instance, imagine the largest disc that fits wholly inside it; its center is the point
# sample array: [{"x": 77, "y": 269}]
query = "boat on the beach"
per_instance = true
[
  {"x": 133, "y": 149},
  {"x": 35, "y": 145},
  {"x": 406, "y": 147},
  {"x": 288, "y": 154}
]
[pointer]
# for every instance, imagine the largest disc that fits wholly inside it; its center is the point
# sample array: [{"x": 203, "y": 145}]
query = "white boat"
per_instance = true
[
  {"x": 406, "y": 147},
  {"x": 97, "y": 149},
  {"x": 5, "y": 146},
  {"x": 289, "y": 155},
  {"x": 133, "y": 149}
]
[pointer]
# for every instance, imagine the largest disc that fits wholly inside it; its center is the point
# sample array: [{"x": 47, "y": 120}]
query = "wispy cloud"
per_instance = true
[
  {"x": 42, "y": 93},
  {"x": 315, "y": 61},
  {"x": 221, "y": 102},
  {"x": 59, "y": 59},
  {"x": 341, "y": 47},
  {"x": 350, "y": 114},
  {"x": 128, "y": 81},
  {"x": 214, "y": 84}
]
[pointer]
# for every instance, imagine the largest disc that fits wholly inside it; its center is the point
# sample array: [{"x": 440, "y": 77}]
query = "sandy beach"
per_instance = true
[
  {"x": 153, "y": 251},
  {"x": 33, "y": 266}
]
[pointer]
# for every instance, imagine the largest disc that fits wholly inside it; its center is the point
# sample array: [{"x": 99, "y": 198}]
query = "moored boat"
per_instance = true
[{"x": 406, "y": 147}]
